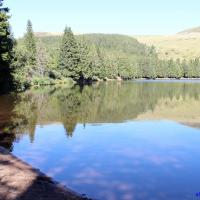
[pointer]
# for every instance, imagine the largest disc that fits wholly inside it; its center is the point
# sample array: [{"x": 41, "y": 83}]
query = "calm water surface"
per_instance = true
[{"x": 126, "y": 141}]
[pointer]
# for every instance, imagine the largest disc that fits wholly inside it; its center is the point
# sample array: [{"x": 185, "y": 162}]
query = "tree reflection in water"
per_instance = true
[{"x": 99, "y": 103}]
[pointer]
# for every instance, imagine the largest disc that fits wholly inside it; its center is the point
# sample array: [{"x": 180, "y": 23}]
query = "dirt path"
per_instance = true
[{"x": 19, "y": 181}]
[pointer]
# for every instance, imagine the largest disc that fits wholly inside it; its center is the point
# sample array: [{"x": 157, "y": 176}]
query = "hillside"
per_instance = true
[
  {"x": 46, "y": 34},
  {"x": 191, "y": 31},
  {"x": 110, "y": 42},
  {"x": 183, "y": 46}
]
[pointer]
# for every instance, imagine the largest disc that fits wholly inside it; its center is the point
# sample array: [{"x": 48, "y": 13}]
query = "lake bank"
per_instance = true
[
  {"x": 71, "y": 83},
  {"x": 18, "y": 180}
]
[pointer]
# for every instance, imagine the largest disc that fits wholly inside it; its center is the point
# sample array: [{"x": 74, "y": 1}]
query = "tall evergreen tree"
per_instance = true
[
  {"x": 6, "y": 46},
  {"x": 69, "y": 56},
  {"x": 30, "y": 44},
  {"x": 24, "y": 62},
  {"x": 85, "y": 68},
  {"x": 42, "y": 59}
]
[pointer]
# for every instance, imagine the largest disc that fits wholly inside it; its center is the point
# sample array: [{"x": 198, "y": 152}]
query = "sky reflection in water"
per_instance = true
[{"x": 132, "y": 160}]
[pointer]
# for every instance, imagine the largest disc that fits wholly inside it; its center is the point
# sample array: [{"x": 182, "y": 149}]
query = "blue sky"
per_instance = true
[{"x": 132, "y": 17}]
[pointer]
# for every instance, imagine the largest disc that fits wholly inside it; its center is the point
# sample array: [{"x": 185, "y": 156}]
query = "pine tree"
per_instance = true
[
  {"x": 42, "y": 59},
  {"x": 85, "y": 68},
  {"x": 195, "y": 65},
  {"x": 30, "y": 44},
  {"x": 24, "y": 62},
  {"x": 69, "y": 56},
  {"x": 6, "y": 46},
  {"x": 179, "y": 69}
]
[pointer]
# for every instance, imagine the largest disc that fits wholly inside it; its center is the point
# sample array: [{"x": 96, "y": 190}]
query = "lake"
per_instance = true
[{"x": 111, "y": 141}]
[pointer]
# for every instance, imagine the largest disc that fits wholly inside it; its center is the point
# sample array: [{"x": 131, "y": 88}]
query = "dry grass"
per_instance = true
[{"x": 183, "y": 46}]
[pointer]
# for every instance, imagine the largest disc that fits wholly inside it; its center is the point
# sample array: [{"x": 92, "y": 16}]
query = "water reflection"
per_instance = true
[
  {"x": 132, "y": 160},
  {"x": 131, "y": 140},
  {"x": 100, "y": 103}
]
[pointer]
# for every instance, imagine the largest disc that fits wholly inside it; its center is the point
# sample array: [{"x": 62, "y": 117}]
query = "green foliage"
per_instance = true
[
  {"x": 69, "y": 56},
  {"x": 75, "y": 58},
  {"x": 21, "y": 69},
  {"x": 91, "y": 57},
  {"x": 30, "y": 44},
  {"x": 41, "y": 59},
  {"x": 33, "y": 65},
  {"x": 6, "y": 46},
  {"x": 25, "y": 60},
  {"x": 195, "y": 65},
  {"x": 85, "y": 66},
  {"x": 116, "y": 55},
  {"x": 105, "y": 56}
]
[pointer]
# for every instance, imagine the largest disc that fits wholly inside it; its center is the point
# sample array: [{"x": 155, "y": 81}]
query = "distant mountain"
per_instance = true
[
  {"x": 46, "y": 34},
  {"x": 191, "y": 31}
]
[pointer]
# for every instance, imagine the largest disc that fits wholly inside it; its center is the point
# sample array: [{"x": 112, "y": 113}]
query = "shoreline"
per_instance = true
[
  {"x": 169, "y": 79},
  {"x": 151, "y": 79},
  {"x": 20, "y": 181},
  {"x": 118, "y": 79}
]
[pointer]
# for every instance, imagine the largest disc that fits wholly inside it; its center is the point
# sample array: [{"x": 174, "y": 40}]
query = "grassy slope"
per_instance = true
[{"x": 183, "y": 46}]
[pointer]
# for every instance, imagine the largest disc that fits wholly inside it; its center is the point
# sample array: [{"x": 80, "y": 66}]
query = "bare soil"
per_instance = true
[{"x": 20, "y": 181}]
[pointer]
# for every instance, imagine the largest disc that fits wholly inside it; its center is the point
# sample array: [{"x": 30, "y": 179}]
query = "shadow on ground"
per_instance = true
[{"x": 19, "y": 181}]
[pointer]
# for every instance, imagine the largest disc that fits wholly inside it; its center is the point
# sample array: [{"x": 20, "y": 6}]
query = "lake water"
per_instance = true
[{"x": 110, "y": 141}]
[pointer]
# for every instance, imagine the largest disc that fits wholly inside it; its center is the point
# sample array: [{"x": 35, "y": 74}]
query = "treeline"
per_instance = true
[
  {"x": 36, "y": 60},
  {"x": 83, "y": 58},
  {"x": 92, "y": 57},
  {"x": 123, "y": 56}
]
